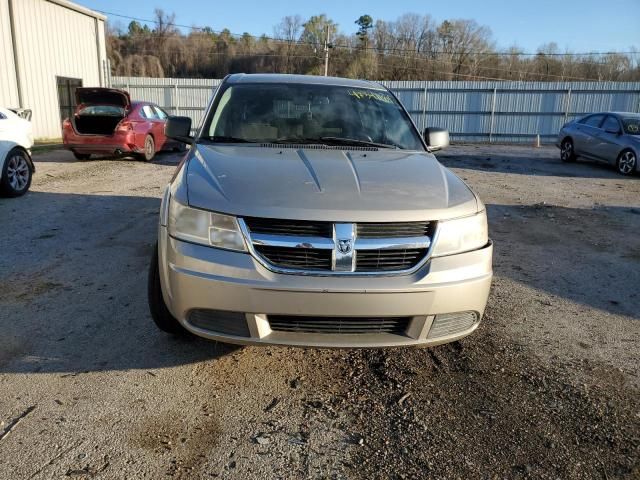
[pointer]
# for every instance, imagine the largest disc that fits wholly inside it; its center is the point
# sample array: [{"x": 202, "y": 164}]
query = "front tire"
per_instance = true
[
  {"x": 149, "y": 149},
  {"x": 627, "y": 163},
  {"x": 567, "y": 153},
  {"x": 159, "y": 312},
  {"x": 16, "y": 174}
]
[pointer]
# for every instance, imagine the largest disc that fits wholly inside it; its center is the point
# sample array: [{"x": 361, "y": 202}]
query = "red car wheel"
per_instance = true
[{"x": 149, "y": 148}]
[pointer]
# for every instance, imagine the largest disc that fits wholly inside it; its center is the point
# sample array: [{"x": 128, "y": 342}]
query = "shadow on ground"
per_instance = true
[
  {"x": 60, "y": 155},
  {"x": 571, "y": 252},
  {"x": 73, "y": 282},
  {"x": 73, "y": 286},
  {"x": 529, "y": 161}
]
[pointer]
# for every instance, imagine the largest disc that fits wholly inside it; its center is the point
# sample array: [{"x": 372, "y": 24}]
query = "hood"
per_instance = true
[
  {"x": 16, "y": 130},
  {"x": 102, "y": 96},
  {"x": 325, "y": 184}
]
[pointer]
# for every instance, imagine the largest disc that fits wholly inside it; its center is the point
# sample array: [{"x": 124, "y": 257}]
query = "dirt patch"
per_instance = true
[
  {"x": 180, "y": 441},
  {"x": 483, "y": 408},
  {"x": 26, "y": 288}
]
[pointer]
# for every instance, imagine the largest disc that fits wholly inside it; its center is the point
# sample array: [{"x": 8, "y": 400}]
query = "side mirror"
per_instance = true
[
  {"x": 178, "y": 128},
  {"x": 613, "y": 131},
  {"x": 436, "y": 138}
]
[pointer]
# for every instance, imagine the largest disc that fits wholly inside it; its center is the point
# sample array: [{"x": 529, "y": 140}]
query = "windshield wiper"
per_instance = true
[
  {"x": 356, "y": 142},
  {"x": 225, "y": 139},
  {"x": 331, "y": 141},
  {"x": 295, "y": 140}
]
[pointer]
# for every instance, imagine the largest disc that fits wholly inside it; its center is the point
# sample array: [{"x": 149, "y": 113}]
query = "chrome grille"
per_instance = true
[
  {"x": 289, "y": 227},
  {"x": 301, "y": 258},
  {"x": 388, "y": 260},
  {"x": 339, "y": 325},
  {"x": 291, "y": 246},
  {"x": 396, "y": 229}
]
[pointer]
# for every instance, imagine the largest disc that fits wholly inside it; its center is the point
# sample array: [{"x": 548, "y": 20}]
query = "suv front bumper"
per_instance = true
[{"x": 196, "y": 277}]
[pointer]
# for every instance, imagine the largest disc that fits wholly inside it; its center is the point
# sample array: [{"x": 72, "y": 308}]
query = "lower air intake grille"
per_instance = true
[
  {"x": 340, "y": 325},
  {"x": 297, "y": 258},
  {"x": 218, "y": 321},
  {"x": 388, "y": 260},
  {"x": 452, "y": 323}
]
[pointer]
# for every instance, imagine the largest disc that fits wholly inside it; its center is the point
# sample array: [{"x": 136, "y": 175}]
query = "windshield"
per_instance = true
[
  {"x": 302, "y": 113},
  {"x": 631, "y": 125}
]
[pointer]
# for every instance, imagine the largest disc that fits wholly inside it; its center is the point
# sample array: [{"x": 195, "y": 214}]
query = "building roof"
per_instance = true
[
  {"x": 78, "y": 8},
  {"x": 302, "y": 79}
]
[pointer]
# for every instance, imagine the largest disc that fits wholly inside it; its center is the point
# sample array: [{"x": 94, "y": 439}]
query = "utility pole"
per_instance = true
[{"x": 326, "y": 52}]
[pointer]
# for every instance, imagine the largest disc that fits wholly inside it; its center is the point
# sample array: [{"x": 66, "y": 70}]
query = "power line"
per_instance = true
[
  {"x": 217, "y": 53},
  {"x": 212, "y": 51},
  {"x": 426, "y": 55},
  {"x": 442, "y": 72},
  {"x": 496, "y": 69},
  {"x": 384, "y": 49}
]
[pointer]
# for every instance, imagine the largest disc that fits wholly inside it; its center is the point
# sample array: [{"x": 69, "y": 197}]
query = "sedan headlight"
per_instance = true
[
  {"x": 461, "y": 235},
  {"x": 204, "y": 227}
]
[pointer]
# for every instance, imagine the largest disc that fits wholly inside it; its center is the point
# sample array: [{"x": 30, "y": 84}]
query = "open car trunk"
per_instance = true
[
  {"x": 96, "y": 124},
  {"x": 99, "y": 110}
]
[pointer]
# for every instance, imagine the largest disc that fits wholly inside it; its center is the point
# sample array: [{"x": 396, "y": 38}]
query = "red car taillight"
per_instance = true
[{"x": 124, "y": 126}]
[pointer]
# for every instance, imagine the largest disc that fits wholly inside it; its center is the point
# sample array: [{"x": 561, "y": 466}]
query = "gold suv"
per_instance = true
[{"x": 309, "y": 211}]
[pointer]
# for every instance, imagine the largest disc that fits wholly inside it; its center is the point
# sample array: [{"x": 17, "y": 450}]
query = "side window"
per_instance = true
[
  {"x": 611, "y": 124},
  {"x": 593, "y": 120},
  {"x": 161, "y": 114},
  {"x": 2, "y": 116},
  {"x": 147, "y": 112}
]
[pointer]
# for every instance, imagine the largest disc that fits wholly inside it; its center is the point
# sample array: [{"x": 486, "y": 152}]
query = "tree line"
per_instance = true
[{"x": 412, "y": 47}]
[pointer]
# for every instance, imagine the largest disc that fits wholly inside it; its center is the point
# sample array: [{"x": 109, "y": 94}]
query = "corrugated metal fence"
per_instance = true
[
  {"x": 472, "y": 111},
  {"x": 178, "y": 96}
]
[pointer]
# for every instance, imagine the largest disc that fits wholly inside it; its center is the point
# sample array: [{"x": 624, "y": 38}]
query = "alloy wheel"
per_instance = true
[
  {"x": 149, "y": 148},
  {"x": 18, "y": 172},
  {"x": 566, "y": 151},
  {"x": 627, "y": 163}
]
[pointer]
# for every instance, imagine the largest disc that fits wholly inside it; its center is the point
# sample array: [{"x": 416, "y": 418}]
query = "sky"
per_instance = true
[{"x": 576, "y": 25}]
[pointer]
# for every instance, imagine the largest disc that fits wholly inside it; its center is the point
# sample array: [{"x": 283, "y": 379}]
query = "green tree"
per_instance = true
[
  {"x": 315, "y": 31},
  {"x": 135, "y": 28},
  {"x": 365, "y": 23}
]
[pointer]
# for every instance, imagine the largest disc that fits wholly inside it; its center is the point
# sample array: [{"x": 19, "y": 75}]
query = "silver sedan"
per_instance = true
[{"x": 611, "y": 137}]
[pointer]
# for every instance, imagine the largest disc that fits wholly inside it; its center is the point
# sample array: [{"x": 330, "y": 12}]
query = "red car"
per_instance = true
[{"x": 106, "y": 121}]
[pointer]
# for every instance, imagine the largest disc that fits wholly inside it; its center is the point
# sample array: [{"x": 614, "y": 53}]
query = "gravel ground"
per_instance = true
[{"x": 546, "y": 388}]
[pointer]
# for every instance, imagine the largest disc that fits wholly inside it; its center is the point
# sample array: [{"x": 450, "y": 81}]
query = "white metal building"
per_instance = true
[{"x": 47, "y": 48}]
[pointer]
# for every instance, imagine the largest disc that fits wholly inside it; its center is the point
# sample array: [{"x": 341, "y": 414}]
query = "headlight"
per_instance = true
[
  {"x": 205, "y": 228},
  {"x": 461, "y": 235}
]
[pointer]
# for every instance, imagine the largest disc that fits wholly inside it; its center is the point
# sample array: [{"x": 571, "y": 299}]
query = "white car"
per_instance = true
[{"x": 16, "y": 166}]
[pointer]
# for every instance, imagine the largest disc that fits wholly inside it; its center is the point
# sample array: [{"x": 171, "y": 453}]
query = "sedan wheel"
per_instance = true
[
  {"x": 81, "y": 156},
  {"x": 566, "y": 151},
  {"x": 16, "y": 177},
  {"x": 149, "y": 148},
  {"x": 627, "y": 162}
]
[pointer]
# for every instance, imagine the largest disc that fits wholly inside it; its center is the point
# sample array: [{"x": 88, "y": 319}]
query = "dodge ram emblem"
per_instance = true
[{"x": 345, "y": 246}]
